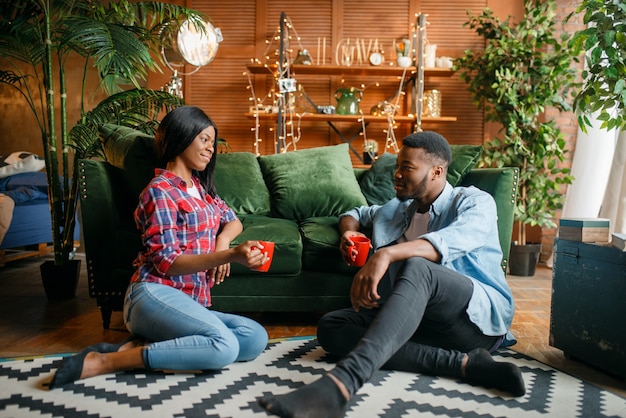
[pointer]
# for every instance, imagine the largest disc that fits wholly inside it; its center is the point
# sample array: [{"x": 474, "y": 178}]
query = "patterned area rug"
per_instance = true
[{"x": 284, "y": 366}]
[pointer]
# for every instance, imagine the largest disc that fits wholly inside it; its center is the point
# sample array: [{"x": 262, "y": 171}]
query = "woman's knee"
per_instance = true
[
  {"x": 251, "y": 335},
  {"x": 252, "y": 342},
  {"x": 225, "y": 351}
]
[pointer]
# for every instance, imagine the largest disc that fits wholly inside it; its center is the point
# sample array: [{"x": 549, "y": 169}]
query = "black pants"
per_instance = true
[{"x": 421, "y": 327}]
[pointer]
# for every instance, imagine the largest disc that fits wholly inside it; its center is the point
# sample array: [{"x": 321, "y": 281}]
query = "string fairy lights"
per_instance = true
[
  {"x": 287, "y": 133},
  {"x": 281, "y": 98}
]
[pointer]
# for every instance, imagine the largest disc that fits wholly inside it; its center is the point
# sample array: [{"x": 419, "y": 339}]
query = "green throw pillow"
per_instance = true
[
  {"x": 132, "y": 151},
  {"x": 239, "y": 181},
  {"x": 377, "y": 183},
  {"x": 311, "y": 182},
  {"x": 464, "y": 158}
]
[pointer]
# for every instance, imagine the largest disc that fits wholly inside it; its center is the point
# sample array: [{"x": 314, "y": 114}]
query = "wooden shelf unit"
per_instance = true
[
  {"x": 355, "y": 70},
  {"x": 352, "y": 118},
  {"x": 413, "y": 77}
]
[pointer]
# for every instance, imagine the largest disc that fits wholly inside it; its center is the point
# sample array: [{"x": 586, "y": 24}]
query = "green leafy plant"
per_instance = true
[
  {"x": 523, "y": 69},
  {"x": 604, "y": 41},
  {"x": 117, "y": 38}
]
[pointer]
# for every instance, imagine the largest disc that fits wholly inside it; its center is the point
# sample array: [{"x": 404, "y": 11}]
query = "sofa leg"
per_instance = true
[{"x": 106, "y": 311}]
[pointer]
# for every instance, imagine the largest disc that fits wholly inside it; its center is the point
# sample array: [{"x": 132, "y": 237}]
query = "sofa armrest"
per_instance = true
[
  {"x": 501, "y": 183},
  {"x": 111, "y": 238}
]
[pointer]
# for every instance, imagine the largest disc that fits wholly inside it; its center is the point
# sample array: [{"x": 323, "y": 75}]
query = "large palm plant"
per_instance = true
[{"x": 119, "y": 39}]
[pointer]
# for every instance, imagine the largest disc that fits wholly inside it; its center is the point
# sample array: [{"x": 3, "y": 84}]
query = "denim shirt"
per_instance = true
[{"x": 463, "y": 229}]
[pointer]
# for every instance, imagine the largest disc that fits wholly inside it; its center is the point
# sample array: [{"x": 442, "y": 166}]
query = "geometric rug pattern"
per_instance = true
[{"x": 286, "y": 365}]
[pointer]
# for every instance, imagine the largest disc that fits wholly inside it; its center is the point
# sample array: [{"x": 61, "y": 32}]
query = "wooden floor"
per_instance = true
[{"x": 32, "y": 325}]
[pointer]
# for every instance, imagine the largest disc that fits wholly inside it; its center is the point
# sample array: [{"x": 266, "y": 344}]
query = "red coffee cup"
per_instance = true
[
  {"x": 362, "y": 246},
  {"x": 268, "y": 248}
]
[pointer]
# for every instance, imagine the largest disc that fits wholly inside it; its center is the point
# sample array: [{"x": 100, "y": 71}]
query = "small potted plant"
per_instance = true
[
  {"x": 403, "y": 51},
  {"x": 370, "y": 151}
]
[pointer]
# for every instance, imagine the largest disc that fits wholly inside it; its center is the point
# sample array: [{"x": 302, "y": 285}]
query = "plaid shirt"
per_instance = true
[{"x": 173, "y": 223}]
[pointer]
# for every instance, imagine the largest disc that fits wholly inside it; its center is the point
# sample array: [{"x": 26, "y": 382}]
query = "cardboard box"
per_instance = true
[{"x": 585, "y": 229}]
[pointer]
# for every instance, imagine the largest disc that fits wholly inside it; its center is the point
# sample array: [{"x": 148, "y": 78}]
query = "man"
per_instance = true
[{"x": 436, "y": 248}]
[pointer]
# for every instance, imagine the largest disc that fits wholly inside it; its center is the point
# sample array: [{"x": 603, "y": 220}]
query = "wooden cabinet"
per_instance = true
[{"x": 587, "y": 309}]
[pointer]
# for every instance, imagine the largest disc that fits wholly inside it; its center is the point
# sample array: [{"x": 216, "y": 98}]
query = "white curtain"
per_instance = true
[
  {"x": 614, "y": 202},
  {"x": 591, "y": 168},
  {"x": 599, "y": 170}
]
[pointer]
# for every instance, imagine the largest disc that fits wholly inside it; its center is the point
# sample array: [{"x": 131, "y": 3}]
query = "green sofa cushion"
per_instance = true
[
  {"x": 284, "y": 233},
  {"x": 311, "y": 182},
  {"x": 377, "y": 183},
  {"x": 320, "y": 240},
  {"x": 239, "y": 181},
  {"x": 132, "y": 151}
]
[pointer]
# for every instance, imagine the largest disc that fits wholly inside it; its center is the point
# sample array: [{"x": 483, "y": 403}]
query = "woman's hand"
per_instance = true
[
  {"x": 222, "y": 243},
  {"x": 251, "y": 254},
  {"x": 364, "y": 290},
  {"x": 221, "y": 272},
  {"x": 345, "y": 244}
]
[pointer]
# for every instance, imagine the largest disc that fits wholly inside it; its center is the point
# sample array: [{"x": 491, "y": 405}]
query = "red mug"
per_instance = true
[
  {"x": 362, "y": 246},
  {"x": 268, "y": 248}
]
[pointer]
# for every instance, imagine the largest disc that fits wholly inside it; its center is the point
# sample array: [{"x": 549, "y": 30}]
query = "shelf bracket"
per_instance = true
[{"x": 349, "y": 140}]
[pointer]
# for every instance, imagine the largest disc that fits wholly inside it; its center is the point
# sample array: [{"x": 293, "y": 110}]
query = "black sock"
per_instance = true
[
  {"x": 70, "y": 370},
  {"x": 483, "y": 370},
  {"x": 322, "y": 398}
]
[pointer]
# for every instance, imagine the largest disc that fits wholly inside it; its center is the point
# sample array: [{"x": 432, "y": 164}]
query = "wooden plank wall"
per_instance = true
[{"x": 222, "y": 87}]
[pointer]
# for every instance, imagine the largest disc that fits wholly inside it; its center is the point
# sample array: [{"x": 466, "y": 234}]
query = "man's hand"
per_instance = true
[
  {"x": 364, "y": 290},
  {"x": 346, "y": 243}
]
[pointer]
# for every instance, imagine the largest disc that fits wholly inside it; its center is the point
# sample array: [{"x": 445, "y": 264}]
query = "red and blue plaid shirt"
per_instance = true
[{"x": 173, "y": 223}]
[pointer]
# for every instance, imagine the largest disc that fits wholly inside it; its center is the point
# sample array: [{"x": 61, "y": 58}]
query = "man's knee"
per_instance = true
[
  {"x": 328, "y": 327},
  {"x": 417, "y": 264},
  {"x": 416, "y": 268},
  {"x": 338, "y": 332}
]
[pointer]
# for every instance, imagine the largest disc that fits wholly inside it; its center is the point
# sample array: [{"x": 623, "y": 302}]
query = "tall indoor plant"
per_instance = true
[
  {"x": 524, "y": 69},
  {"x": 119, "y": 39}
]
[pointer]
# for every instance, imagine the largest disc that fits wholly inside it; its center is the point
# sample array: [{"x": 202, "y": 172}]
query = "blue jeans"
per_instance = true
[
  {"x": 185, "y": 335},
  {"x": 421, "y": 327}
]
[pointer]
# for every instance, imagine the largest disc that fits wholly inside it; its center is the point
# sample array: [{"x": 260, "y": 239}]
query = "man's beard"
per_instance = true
[{"x": 420, "y": 190}]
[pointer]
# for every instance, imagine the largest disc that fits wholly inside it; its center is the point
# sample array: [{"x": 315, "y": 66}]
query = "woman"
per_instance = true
[{"x": 186, "y": 230}]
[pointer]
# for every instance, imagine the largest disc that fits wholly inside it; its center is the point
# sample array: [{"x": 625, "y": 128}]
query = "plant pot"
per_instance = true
[
  {"x": 523, "y": 259},
  {"x": 367, "y": 158},
  {"x": 60, "y": 282}
]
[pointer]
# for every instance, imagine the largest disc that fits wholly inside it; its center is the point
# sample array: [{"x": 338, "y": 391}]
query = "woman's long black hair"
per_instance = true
[{"x": 177, "y": 131}]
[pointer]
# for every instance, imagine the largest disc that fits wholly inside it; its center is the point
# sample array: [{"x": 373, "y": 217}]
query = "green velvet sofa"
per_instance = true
[{"x": 292, "y": 199}]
